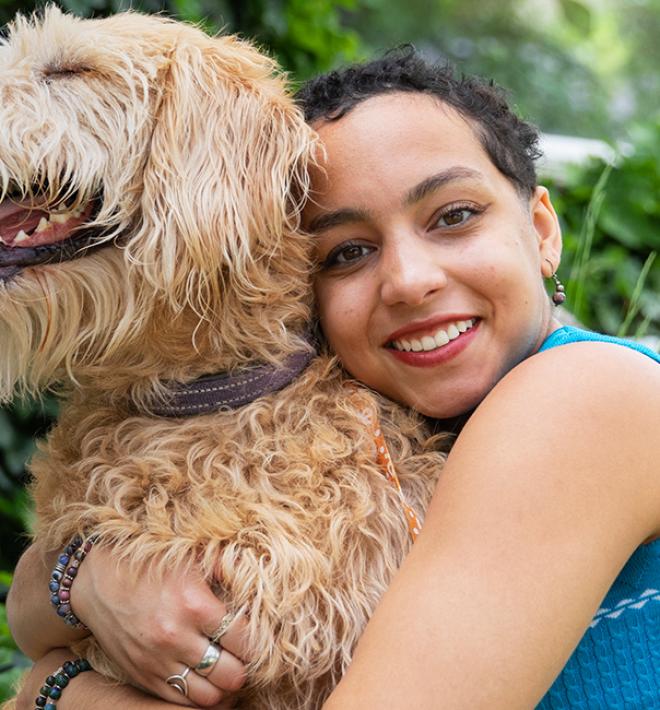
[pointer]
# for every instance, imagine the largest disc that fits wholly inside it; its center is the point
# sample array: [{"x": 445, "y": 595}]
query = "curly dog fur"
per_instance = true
[{"x": 184, "y": 157}]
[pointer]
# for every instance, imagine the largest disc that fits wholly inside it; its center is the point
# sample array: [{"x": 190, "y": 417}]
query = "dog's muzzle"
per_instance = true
[{"x": 31, "y": 235}]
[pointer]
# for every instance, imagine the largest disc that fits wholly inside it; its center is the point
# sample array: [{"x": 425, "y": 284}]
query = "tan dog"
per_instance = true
[{"x": 151, "y": 179}]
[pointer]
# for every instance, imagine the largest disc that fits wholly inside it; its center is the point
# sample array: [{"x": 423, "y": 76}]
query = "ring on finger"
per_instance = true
[
  {"x": 179, "y": 681},
  {"x": 225, "y": 623},
  {"x": 209, "y": 659}
]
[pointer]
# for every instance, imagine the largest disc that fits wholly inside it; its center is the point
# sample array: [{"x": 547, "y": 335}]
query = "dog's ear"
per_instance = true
[{"x": 225, "y": 175}]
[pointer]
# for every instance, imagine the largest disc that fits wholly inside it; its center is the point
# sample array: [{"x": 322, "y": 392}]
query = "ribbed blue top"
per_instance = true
[
  {"x": 568, "y": 334},
  {"x": 616, "y": 665}
]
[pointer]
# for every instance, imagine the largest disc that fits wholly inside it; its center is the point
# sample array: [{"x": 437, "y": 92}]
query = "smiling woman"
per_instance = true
[
  {"x": 432, "y": 241},
  {"x": 428, "y": 254}
]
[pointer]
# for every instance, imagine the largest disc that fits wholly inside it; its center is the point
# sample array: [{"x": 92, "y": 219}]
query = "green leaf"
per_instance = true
[
  {"x": 9, "y": 680},
  {"x": 577, "y": 14}
]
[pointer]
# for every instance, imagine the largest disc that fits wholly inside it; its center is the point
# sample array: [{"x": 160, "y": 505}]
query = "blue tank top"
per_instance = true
[{"x": 616, "y": 665}]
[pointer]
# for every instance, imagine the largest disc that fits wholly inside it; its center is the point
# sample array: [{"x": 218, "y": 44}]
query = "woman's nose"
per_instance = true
[{"x": 410, "y": 272}]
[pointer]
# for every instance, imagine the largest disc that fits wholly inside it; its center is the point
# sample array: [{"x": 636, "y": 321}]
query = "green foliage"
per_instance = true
[
  {"x": 577, "y": 14},
  {"x": 503, "y": 39},
  {"x": 611, "y": 224},
  {"x": 12, "y": 661},
  {"x": 19, "y": 424},
  {"x": 306, "y": 36}
]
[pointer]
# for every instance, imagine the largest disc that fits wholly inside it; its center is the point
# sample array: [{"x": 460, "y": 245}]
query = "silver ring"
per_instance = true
[
  {"x": 225, "y": 623},
  {"x": 209, "y": 659},
  {"x": 178, "y": 681}
]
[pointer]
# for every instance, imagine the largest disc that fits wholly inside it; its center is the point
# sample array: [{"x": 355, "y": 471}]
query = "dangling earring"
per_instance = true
[{"x": 558, "y": 297}]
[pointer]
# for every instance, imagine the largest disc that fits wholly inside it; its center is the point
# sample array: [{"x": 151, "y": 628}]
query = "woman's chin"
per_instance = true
[{"x": 451, "y": 403}]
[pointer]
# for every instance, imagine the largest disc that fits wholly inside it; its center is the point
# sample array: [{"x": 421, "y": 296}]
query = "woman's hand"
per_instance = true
[
  {"x": 151, "y": 629},
  {"x": 154, "y": 628},
  {"x": 89, "y": 689}
]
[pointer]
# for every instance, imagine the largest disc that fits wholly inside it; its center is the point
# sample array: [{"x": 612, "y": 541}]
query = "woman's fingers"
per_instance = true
[
  {"x": 226, "y": 675},
  {"x": 231, "y": 633},
  {"x": 164, "y": 623},
  {"x": 202, "y": 693}
]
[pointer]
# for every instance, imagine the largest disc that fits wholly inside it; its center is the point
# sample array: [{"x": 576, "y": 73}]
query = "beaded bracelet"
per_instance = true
[
  {"x": 52, "y": 689},
  {"x": 62, "y": 576}
]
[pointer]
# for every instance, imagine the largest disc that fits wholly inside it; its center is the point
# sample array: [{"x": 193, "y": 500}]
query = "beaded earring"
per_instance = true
[{"x": 559, "y": 296}]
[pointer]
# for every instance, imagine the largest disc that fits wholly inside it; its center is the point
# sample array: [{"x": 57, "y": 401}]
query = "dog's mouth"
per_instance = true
[{"x": 33, "y": 233}]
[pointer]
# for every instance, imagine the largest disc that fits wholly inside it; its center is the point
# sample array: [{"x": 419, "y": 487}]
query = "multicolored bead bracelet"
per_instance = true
[
  {"x": 62, "y": 576},
  {"x": 51, "y": 690}
]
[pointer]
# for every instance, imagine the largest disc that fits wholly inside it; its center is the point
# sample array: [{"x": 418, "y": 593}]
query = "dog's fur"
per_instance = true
[{"x": 197, "y": 158}]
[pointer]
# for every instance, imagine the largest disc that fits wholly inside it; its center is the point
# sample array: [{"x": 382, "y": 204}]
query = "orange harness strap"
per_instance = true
[
  {"x": 370, "y": 419},
  {"x": 385, "y": 462}
]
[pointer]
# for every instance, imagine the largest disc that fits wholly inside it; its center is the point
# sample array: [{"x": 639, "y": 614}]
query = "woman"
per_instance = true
[
  {"x": 433, "y": 240},
  {"x": 428, "y": 216}
]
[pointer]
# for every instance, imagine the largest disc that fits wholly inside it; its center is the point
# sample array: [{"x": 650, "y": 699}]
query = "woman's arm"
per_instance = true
[
  {"x": 549, "y": 489},
  {"x": 151, "y": 628},
  {"x": 35, "y": 626},
  {"x": 90, "y": 690}
]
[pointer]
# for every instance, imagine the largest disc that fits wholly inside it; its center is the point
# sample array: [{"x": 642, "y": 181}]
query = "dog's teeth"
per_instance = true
[
  {"x": 61, "y": 217},
  {"x": 21, "y": 237},
  {"x": 43, "y": 225},
  {"x": 2, "y": 239}
]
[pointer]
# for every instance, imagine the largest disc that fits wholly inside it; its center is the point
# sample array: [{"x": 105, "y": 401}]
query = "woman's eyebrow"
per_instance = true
[
  {"x": 348, "y": 215},
  {"x": 430, "y": 184},
  {"x": 335, "y": 218}
]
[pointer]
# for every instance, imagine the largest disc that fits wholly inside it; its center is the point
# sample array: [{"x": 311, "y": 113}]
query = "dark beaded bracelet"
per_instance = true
[
  {"x": 51, "y": 690},
  {"x": 62, "y": 576}
]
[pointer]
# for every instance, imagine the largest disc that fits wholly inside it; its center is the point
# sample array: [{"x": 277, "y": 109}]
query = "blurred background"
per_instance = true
[{"x": 584, "y": 71}]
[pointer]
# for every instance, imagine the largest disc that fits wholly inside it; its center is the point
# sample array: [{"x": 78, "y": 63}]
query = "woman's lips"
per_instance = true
[
  {"x": 431, "y": 338},
  {"x": 440, "y": 353}
]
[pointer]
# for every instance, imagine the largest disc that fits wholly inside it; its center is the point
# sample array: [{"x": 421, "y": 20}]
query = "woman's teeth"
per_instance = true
[{"x": 436, "y": 340}]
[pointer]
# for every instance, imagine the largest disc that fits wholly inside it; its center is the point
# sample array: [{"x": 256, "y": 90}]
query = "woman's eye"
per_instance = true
[
  {"x": 455, "y": 216},
  {"x": 346, "y": 254}
]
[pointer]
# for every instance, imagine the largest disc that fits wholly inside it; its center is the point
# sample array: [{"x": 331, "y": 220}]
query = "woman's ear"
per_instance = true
[{"x": 548, "y": 232}]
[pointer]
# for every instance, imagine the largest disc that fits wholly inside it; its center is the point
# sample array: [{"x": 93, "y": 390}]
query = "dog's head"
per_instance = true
[{"x": 150, "y": 185}]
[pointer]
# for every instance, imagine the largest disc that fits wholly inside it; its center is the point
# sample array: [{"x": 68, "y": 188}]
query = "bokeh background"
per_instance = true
[{"x": 584, "y": 71}]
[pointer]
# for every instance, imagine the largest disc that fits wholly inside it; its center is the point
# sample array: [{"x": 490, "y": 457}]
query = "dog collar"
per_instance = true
[{"x": 211, "y": 392}]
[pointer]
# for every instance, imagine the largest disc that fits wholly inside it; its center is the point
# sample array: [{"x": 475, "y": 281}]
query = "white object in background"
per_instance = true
[{"x": 560, "y": 151}]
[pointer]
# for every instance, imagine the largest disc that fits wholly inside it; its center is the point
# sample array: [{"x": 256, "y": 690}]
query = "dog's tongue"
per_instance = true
[
  {"x": 21, "y": 224},
  {"x": 9, "y": 208},
  {"x": 16, "y": 216}
]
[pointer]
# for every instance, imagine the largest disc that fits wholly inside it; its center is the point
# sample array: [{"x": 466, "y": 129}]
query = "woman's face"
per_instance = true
[{"x": 430, "y": 261}]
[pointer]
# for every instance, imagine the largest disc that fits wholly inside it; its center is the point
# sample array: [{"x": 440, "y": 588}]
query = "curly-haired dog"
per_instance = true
[{"x": 151, "y": 180}]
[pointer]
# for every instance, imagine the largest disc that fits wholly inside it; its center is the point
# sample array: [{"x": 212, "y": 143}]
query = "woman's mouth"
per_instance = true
[
  {"x": 436, "y": 345},
  {"x": 432, "y": 341}
]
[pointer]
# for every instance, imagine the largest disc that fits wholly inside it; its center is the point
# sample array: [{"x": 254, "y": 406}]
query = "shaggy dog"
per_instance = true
[{"x": 151, "y": 180}]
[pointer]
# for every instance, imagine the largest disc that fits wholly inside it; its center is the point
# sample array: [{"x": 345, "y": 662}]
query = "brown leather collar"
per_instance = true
[{"x": 212, "y": 392}]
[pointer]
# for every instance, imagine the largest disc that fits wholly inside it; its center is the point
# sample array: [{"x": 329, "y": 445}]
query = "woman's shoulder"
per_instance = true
[
  {"x": 582, "y": 416},
  {"x": 578, "y": 370}
]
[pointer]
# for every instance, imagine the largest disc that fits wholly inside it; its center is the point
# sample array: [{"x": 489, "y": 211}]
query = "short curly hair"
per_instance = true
[{"x": 510, "y": 142}]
